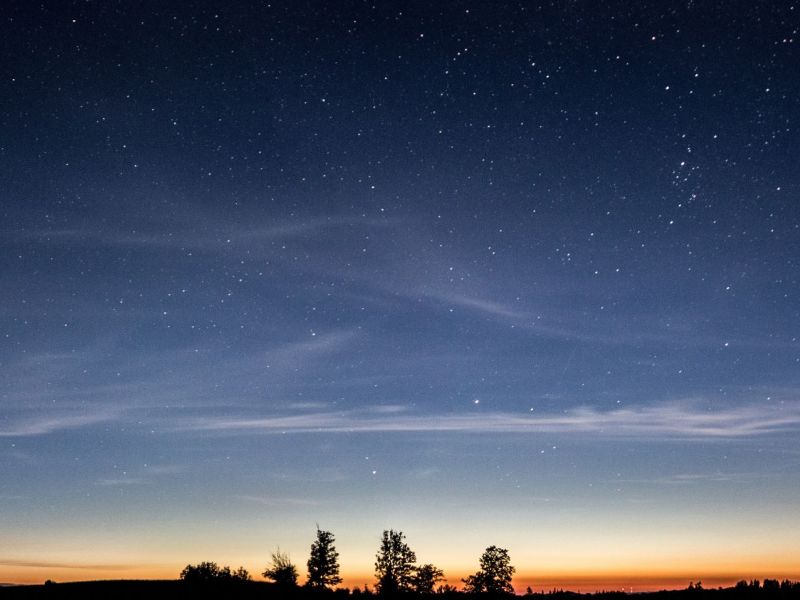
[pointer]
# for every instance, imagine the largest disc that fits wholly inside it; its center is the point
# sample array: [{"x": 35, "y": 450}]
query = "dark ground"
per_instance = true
[{"x": 175, "y": 589}]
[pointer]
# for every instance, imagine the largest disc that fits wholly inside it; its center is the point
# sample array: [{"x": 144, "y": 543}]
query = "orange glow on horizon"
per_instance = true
[
  {"x": 585, "y": 581},
  {"x": 594, "y": 582},
  {"x": 637, "y": 578}
]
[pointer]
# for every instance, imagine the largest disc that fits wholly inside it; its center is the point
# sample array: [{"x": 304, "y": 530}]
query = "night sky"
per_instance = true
[{"x": 502, "y": 273}]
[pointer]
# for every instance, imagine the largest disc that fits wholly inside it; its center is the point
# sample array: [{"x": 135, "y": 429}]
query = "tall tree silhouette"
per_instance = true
[
  {"x": 494, "y": 576},
  {"x": 281, "y": 570},
  {"x": 323, "y": 564},
  {"x": 394, "y": 564}
]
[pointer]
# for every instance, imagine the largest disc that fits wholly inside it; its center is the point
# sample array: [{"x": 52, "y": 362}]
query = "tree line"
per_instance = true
[{"x": 396, "y": 569}]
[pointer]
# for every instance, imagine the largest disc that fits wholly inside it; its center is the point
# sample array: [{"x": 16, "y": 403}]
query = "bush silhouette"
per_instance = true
[
  {"x": 211, "y": 571},
  {"x": 281, "y": 570}
]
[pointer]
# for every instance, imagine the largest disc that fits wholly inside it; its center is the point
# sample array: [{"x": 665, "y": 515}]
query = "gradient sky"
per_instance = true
[{"x": 500, "y": 273}]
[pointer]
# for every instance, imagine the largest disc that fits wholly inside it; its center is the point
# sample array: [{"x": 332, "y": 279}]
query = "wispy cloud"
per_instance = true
[
  {"x": 123, "y": 481},
  {"x": 40, "y": 564},
  {"x": 299, "y": 351},
  {"x": 557, "y": 322},
  {"x": 41, "y": 425},
  {"x": 47, "y": 391},
  {"x": 198, "y": 233},
  {"x": 672, "y": 420},
  {"x": 482, "y": 305},
  {"x": 275, "y": 500},
  {"x": 688, "y": 479},
  {"x": 147, "y": 475}
]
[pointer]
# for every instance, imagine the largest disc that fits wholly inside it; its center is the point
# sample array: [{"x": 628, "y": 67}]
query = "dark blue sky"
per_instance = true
[{"x": 272, "y": 264}]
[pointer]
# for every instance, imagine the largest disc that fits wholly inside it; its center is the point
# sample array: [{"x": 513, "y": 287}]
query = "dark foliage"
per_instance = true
[
  {"x": 254, "y": 590},
  {"x": 494, "y": 576},
  {"x": 394, "y": 564},
  {"x": 426, "y": 577},
  {"x": 281, "y": 570},
  {"x": 323, "y": 564},
  {"x": 210, "y": 571}
]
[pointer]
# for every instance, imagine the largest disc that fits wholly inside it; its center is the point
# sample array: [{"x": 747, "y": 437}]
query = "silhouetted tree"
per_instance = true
[
  {"x": 323, "y": 564},
  {"x": 494, "y": 576},
  {"x": 788, "y": 586},
  {"x": 204, "y": 571},
  {"x": 211, "y": 571},
  {"x": 241, "y": 574},
  {"x": 394, "y": 564},
  {"x": 281, "y": 570},
  {"x": 771, "y": 585},
  {"x": 696, "y": 586},
  {"x": 426, "y": 577}
]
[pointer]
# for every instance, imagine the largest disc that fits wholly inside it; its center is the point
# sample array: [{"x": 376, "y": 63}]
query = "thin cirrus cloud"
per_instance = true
[
  {"x": 199, "y": 233},
  {"x": 159, "y": 378},
  {"x": 663, "y": 421},
  {"x": 33, "y": 426},
  {"x": 677, "y": 420},
  {"x": 149, "y": 475},
  {"x": 563, "y": 324},
  {"x": 30, "y": 403},
  {"x": 275, "y": 500},
  {"x": 12, "y": 562}
]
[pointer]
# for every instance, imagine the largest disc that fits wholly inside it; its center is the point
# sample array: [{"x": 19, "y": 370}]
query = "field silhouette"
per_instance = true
[{"x": 259, "y": 590}]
